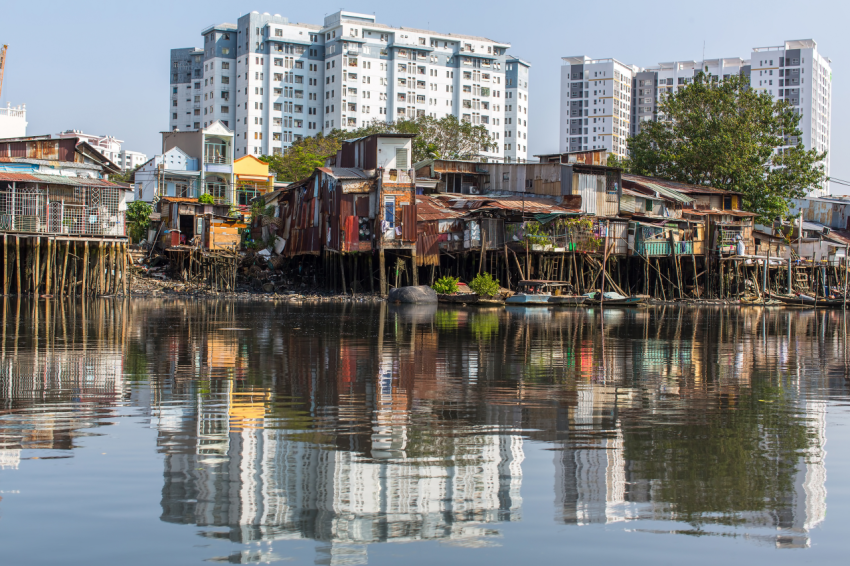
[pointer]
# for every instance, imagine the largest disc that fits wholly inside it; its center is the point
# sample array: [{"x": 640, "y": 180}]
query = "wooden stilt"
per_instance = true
[
  {"x": 48, "y": 260},
  {"x": 382, "y": 268},
  {"x": 85, "y": 288}
]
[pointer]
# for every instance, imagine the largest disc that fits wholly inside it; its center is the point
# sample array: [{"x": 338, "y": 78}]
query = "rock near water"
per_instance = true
[{"x": 420, "y": 294}]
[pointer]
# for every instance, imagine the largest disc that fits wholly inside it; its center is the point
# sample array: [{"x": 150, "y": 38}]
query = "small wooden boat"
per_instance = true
[
  {"x": 806, "y": 301},
  {"x": 619, "y": 301},
  {"x": 535, "y": 292},
  {"x": 459, "y": 298},
  {"x": 567, "y": 299}
]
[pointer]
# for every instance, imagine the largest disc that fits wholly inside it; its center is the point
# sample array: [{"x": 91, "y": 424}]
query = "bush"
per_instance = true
[
  {"x": 484, "y": 285},
  {"x": 446, "y": 285},
  {"x": 206, "y": 198},
  {"x": 138, "y": 217}
]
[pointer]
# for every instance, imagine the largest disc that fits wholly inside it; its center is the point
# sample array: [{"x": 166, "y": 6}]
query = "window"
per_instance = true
[
  {"x": 389, "y": 211},
  {"x": 401, "y": 158}
]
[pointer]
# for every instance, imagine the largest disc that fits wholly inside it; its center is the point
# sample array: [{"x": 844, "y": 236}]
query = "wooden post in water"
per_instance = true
[
  {"x": 101, "y": 276},
  {"x": 5, "y": 267},
  {"x": 125, "y": 269},
  {"x": 84, "y": 289},
  {"x": 382, "y": 265},
  {"x": 63, "y": 289},
  {"x": 36, "y": 258}
]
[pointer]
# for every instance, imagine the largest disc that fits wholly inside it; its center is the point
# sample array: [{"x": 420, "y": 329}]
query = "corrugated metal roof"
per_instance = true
[
  {"x": 51, "y": 163},
  {"x": 345, "y": 172},
  {"x": 428, "y": 209},
  {"x": 676, "y": 186},
  {"x": 74, "y": 181},
  {"x": 12, "y": 177},
  {"x": 529, "y": 205}
]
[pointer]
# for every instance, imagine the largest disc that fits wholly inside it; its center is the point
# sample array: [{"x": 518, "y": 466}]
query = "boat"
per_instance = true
[
  {"x": 567, "y": 299},
  {"x": 537, "y": 292},
  {"x": 614, "y": 300},
  {"x": 806, "y": 301},
  {"x": 459, "y": 298}
]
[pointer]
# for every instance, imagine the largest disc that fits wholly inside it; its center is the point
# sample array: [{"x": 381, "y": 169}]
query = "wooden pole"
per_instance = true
[
  {"x": 36, "y": 258},
  {"x": 5, "y": 265},
  {"x": 382, "y": 268},
  {"x": 604, "y": 265},
  {"x": 18, "y": 259},
  {"x": 414, "y": 268},
  {"x": 85, "y": 288},
  {"x": 101, "y": 276},
  {"x": 371, "y": 274},
  {"x": 48, "y": 264},
  {"x": 507, "y": 269}
]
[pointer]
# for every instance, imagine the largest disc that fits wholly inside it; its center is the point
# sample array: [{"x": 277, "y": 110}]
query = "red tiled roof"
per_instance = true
[{"x": 17, "y": 177}]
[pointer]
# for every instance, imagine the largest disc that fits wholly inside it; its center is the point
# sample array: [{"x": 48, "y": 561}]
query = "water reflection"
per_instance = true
[{"x": 354, "y": 425}]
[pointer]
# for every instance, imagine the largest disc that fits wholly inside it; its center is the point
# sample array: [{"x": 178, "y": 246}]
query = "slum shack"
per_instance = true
[
  {"x": 189, "y": 223},
  {"x": 61, "y": 219}
]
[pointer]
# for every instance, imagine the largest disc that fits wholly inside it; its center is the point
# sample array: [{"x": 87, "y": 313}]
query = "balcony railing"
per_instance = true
[{"x": 398, "y": 176}]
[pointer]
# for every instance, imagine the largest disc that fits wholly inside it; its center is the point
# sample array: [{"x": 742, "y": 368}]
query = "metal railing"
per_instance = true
[{"x": 62, "y": 210}]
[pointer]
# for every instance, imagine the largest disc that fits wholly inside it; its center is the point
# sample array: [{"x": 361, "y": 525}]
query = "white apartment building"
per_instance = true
[
  {"x": 13, "y": 121},
  {"x": 596, "y": 101},
  {"x": 110, "y": 147},
  {"x": 130, "y": 159},
  {"x": 794, "y": 71},
  {"x": 273, "y": 82},
  {"x": 516, "y": 110}
]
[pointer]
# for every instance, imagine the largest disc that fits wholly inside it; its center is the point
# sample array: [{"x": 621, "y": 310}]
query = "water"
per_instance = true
[{"x": 179, "y": 432}]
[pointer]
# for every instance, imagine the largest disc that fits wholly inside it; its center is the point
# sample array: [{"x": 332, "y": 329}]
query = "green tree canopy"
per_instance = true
[
  {"x": 725, "y": 134},
  {"x": 446, "y": 137},
  {"x": 302, "y": 157}
]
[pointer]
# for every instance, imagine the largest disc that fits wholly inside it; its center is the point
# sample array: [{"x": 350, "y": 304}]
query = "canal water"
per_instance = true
[{"x": 183, "y": 432}]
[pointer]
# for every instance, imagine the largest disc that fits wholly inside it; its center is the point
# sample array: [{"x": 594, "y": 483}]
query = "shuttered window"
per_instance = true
[{"x": 401, "y": 158}]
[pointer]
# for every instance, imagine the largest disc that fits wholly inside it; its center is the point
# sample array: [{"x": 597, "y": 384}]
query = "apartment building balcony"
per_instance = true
[{"x": 196, "y": 105}]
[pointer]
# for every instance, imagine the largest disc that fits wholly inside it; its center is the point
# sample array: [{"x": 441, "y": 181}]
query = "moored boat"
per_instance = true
[
  {"x": 459, "y": 298},
  {"x": 535, "y": 292}
]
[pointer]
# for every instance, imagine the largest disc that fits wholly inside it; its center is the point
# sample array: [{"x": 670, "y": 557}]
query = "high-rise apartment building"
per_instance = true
[
  {"x": 794, "y": 71},
  {"x": 274, "y": 82},
  {"x": 596, "y": 98}
]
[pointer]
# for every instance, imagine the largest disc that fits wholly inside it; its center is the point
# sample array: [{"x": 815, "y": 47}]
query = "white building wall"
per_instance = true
[
  {"x": 13, "y": 121},
  {"x": 604, "y": 87},
  {"x": 352, "y": 70}
]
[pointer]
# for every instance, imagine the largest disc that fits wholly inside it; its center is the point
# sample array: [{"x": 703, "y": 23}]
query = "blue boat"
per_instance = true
[{"x": 533, "y": 292}]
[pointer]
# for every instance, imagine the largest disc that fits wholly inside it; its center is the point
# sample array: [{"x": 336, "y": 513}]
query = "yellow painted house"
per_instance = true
[{"x": 252, "y": 179}]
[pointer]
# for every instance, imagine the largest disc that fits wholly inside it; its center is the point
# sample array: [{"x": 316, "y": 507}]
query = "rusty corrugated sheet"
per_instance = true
[
  {"x": 408, "y": 226},
  {"x": 428, "y": 249}
]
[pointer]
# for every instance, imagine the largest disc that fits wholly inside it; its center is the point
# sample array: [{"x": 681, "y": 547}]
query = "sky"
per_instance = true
[{"x": 103, "y": 68}]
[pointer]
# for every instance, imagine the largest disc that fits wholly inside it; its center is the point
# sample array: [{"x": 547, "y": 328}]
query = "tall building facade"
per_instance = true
[
  {"x": 794, "y": 71},
  {"x": 274, "y": 82},
  {"x": 596, "y": 98}
]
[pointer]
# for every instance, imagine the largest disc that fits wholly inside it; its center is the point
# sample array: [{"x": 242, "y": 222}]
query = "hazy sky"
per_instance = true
[{"x": 103, "y": 68}]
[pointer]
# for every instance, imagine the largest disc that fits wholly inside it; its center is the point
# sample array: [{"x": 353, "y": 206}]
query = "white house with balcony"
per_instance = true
[
  {"x": 13, "y": 121},
  {"x": 213, "y": 148}
]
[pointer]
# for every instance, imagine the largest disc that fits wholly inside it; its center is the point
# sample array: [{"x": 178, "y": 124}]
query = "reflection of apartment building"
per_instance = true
[{"x": 270, "y": 484}]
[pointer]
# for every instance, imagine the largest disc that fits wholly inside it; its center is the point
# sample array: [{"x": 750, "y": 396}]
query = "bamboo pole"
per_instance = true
[
  {"x": 5, "y": 266},
  {"x": 49, "y": 264},
  {"x": 125, "y": 269},
  {"x": 101, "y": 275},
  {"x": 85, "y": 288},
  {"x": 18, "y": 261},
  {"x": 36, "y": 258}
]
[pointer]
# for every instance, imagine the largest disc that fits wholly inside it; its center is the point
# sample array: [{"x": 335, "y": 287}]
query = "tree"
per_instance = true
[
  {"x": 725, "y": 134},
  {"x": 138, "y": 217},
  {"x": 446, "y": 137},
  {"x": 125, "y": 176},
  {"x": 302, "y": 157}
]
